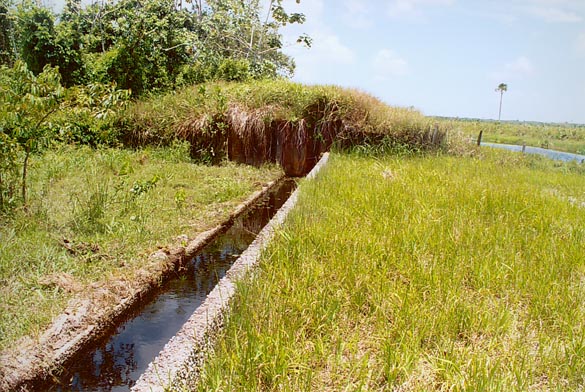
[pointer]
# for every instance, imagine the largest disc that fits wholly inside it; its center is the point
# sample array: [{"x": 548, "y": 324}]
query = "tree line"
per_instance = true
[
  {"x": 149, "y": 45},
  {"x": 63, "y": 76}
]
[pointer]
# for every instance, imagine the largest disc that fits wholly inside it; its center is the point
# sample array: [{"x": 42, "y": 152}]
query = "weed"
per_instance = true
[
  {"x": 180, "y": 198},
  {"x": 141, "y": 187},
  {"x": 90, "y": 208}
]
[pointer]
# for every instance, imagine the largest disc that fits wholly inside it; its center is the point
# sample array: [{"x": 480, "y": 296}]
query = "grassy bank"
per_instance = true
[
  {"x": 416, "y": 274},
  {"x": 213, "y": 108},
  {"x": 91, "y": 212},
  {"x": 562, "y": 137},
  {"x": 94, "y": 216}
]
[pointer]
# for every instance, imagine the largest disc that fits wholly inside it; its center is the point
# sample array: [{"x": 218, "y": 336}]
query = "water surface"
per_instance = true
[
  {"x": 552, "y": 154},
  {"x": 118, "y": 360}
]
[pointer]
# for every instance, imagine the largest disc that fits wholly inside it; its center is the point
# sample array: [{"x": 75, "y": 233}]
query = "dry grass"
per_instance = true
[{"x": 257, "y": 111}]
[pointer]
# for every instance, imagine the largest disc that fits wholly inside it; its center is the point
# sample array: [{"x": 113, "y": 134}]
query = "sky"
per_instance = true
[{"x": 447, "y": 57}]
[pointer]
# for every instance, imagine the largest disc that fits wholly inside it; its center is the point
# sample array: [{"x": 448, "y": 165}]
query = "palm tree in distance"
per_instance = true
[{"x": 501, "y": 88}]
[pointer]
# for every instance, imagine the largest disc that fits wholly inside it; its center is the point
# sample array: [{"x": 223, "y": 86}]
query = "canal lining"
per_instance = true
[
  {"x": 179, "y": 363},
  {"x": 30, "y": 362}
]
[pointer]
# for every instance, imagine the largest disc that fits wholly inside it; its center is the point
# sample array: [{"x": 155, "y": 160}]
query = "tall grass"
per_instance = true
[
  {"x": 415, "y": 274},
  {"x": 197, "y": 108},
  {"x": 95, "y": 215}
]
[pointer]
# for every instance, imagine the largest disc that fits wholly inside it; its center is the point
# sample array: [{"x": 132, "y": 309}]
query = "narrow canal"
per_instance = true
[
  {"x": 552, "y": 154},
  {"x": 117, "y": 361}
]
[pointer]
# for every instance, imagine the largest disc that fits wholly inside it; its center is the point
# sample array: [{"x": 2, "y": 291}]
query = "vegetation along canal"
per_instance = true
[{"x": 116, "y": 362}]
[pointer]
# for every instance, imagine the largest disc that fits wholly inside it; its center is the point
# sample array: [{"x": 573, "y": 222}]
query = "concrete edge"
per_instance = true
[
  {"x": 28, "y": 361},
  {"x": 181, "y": 359}
]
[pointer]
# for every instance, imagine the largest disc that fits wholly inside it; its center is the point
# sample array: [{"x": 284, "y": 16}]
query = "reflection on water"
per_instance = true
[{"x": 116, "y": 362}]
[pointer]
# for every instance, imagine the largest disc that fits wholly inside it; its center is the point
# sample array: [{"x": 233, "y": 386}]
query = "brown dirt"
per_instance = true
[{"x": 94, "y": 310}]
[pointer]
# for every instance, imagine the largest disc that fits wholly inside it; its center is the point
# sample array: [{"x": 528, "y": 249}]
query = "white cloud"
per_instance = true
[
  {"x": 504, "y": 18},
  {"x": 413, "y": 9},
  {"x": 313, "y": 9},
  {"x": 551, "y": 11},
  {"x": 327, "y": 47},
  {"x": 555, "y": 15},
  {"x": 386, "y": 63},
  {"x": 327, "y": 51},
  {"x": 357, "y": 14},
  {"x": 327, "y": 54},
  {"x": 580, "y": 44},
  {"x": 520, "y": 68},
  {"x": 522, "y": 65}
]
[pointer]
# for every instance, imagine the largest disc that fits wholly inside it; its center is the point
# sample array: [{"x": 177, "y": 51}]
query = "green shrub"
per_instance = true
[{"x": 234, "y": 70}]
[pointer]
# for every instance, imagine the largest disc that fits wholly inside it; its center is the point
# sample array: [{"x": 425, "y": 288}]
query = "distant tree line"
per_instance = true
[{"x": 149, "y": 45}]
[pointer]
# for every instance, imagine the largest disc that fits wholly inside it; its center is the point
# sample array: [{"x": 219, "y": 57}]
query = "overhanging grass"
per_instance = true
[
  {"x": 95, "y": 215},
  {"x": 425, "y": 273},
  {"x": 198, "y": 109}
]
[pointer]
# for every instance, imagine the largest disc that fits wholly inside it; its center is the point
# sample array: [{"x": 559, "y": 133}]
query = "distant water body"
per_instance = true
[{"x": 552, "y": 154}]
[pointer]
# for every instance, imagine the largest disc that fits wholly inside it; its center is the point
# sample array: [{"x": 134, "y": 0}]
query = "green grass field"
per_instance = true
[
  {"x": 414, "y": 274},
  {"x": 561, "y": 137},
  {"x": 94, "y": 215}
]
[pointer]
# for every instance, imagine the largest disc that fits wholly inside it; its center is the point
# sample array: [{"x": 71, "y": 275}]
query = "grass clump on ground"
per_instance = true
[
  {"x": 415, "y": 274},
  {"x": 95, "y": 215}
]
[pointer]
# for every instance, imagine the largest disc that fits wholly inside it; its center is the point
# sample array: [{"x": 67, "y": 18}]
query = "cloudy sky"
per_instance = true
[{"x": 446, "y": 57}]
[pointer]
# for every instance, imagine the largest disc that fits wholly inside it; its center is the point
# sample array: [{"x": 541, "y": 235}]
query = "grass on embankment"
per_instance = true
[
  {"x": 416, "y": 274},
  {"x": 212, "y": 108},
  {"x": 561, "y": 137},
  {"x": 95, "y": 216}
]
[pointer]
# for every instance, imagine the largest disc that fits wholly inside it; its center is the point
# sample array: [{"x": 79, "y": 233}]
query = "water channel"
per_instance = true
[
  {"x": 552, "y": 154},
  {"x": 117, "y": 361}
]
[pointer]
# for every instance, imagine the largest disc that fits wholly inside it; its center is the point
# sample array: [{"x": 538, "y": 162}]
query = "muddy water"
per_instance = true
[{"x": 116, "y": 362}]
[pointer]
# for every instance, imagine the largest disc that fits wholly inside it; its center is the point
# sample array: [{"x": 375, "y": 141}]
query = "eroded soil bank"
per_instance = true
[{"x": 87, "y": 318}]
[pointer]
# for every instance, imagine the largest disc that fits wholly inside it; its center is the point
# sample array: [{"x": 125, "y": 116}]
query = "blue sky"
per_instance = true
[{"x": 446, "y": 57}]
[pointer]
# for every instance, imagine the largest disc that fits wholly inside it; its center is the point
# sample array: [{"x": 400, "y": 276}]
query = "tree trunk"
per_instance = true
[
  {"x": 24, "y": 170},
  {"x": 500, "y": 112},
  {"x": 1, "y": 192}
]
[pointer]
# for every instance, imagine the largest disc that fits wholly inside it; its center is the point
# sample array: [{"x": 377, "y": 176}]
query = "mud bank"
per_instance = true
[
  {"x": 179, "y": 363},
  {"x": 88, "y": 318},
  {"x": 251, "y": 137}
]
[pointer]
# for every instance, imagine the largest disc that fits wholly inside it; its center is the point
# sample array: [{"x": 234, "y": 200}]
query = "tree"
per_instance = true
[
  {"x": 6, "y": 34},
  {"x": 502, "y": 87},
  {"x": 149, "y": 45},
  {"x": 27, "y": 101},
  {"x": 36, "y": 36},
  {"x": 69, "y": 43}
]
